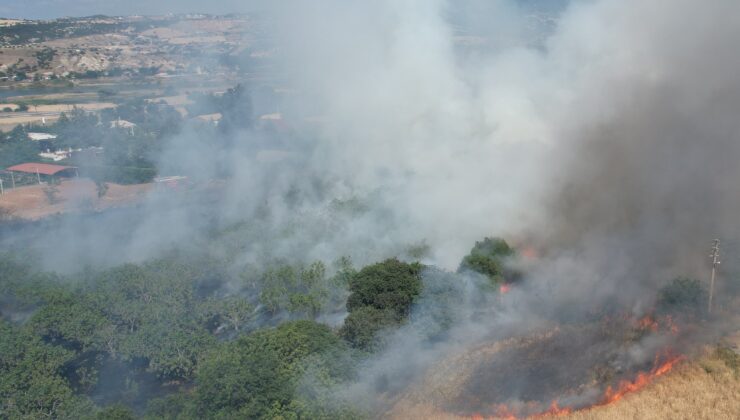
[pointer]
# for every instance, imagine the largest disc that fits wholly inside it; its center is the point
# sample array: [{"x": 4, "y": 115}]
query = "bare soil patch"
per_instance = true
[{"x": 32, "y": 202}]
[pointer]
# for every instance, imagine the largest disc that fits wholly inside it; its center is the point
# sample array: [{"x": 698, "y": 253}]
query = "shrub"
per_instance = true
[
  {"x": 486, "y": 258},
  {"x": 362, "y": 325},
  {"x": 682, "y": 295},
  {"x": 391, "y": 285},
  {"x": 381, "y": 296}
]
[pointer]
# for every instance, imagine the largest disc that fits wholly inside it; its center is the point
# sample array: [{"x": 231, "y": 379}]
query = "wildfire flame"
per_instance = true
[
  {"x": 611, "y": 395},
  {"x": 648, "y": 322},
  {"x": 504, "y": 288},
  {"x": 642, "y": 379},
  {"x": 555, "y": 410},
  {"x": 529, "y": 252}
]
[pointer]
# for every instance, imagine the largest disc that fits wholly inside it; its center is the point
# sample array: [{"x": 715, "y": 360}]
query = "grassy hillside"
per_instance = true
[{"x": 705, "y": 388}]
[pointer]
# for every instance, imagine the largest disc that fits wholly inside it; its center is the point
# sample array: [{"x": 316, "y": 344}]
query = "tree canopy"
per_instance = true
[
  {"x": 381, "y": 296},
  {"x": 487, "y": 258}
]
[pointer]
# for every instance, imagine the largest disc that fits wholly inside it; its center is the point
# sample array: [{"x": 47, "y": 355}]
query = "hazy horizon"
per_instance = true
[{"x": 54, "y": 9}]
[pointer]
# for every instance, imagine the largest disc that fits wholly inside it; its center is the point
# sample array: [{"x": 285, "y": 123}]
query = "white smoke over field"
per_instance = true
[
  {"x": 601, "y": 131},
  {"x": 608, "y": 122}
]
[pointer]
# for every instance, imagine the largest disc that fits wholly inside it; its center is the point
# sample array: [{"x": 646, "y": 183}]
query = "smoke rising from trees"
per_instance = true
[{"x": 602, "y": 134}]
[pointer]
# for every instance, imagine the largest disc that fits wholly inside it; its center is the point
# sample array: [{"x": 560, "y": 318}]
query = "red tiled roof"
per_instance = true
[{"x": 41, "y": 168}]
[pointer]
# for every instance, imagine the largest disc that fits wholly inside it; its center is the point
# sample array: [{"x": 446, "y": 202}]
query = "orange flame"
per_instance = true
[
  {"x": 664, "y": 323},
  {"x": 642, "y": 379},
  {"x": 648, "y": 322},
  {"x": 502, "y": 412},
  {"x": 555, "y": 410},
  {"x": 672, "y": 327},
  {"x": 504, "y": 288},
  {"x": 529, "y": 252},
  {"x": 610, "y": 395}
]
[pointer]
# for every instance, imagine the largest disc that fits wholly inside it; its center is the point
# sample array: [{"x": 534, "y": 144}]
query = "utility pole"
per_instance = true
[{"x": 715, "y": 262}]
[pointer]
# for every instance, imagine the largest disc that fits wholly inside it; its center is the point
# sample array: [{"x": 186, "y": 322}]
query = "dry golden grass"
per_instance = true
[{"x": 706, "y": 388}]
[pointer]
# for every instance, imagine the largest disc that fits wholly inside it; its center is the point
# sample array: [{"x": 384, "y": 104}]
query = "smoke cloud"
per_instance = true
[{"x": 603, "y": 133}]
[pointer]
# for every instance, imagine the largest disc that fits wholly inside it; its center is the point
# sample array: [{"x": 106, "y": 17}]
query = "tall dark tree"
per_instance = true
[{"x": 235, "y": 106}]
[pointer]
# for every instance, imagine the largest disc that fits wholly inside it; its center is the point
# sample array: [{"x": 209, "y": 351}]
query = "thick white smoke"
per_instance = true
[
  {"x": 604, "y": 132},
  {"x": 605, "y": 123}
]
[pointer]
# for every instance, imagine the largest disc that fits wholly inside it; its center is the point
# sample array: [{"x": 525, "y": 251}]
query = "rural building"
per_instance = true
[
  {"x": 45, "y": 170},
  {"x": 57, "y": 155},
  {"x": 119, "y": 123},
  {"x": 41, "y": 136}
]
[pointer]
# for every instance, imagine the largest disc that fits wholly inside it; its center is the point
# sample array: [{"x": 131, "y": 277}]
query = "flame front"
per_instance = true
[
  {"x": 556, "y": 410},
  {"x": 625, "y": 387},
  {"x": 611, "y": 395}
]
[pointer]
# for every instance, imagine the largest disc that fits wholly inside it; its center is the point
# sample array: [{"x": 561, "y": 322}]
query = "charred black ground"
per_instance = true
[{"x": 572, "y": 366}]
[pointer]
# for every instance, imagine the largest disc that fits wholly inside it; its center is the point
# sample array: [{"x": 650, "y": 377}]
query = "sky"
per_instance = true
[{"x": 49, "y": 9}]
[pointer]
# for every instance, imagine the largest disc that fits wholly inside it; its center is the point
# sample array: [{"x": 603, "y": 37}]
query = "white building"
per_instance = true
[{"x": 41, "y": 136}]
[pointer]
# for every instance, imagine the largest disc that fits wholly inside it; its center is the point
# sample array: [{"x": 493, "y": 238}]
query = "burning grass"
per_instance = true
[
  {"x": 567, "y": 370},
  {"x": 563, "y": 371}
]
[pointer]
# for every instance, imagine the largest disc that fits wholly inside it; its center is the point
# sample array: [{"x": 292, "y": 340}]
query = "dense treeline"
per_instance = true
[
  {"x": 243, "y": 354},
  {"x": 183, "y": 337}
]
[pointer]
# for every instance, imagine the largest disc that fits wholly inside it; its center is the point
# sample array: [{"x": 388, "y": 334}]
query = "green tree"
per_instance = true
[
  {"x": 116, "y": 412},
  {"x": 154, "y": 311},
  {"x": 236, "y": 311},
  {"x": 69, "y": 319},
  {"x": 362, "y": 325},
  {"x": 235, "y": 106},
  {"x": 390, "y": 285},
  {"x": 303, "y": 291},
  {"x": 256, "y": 374},
  {"x": 15, "y": 148},
  {"x": 380, "y": 297},
  {"x": 487, "y": 258},
  {"x": 101, "y": 187},
  {"x": 32, "y": 384}
]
